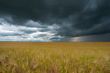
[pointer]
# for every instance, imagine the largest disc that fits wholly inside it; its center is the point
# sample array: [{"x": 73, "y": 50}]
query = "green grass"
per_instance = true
[{"x": 54, "y": 57}]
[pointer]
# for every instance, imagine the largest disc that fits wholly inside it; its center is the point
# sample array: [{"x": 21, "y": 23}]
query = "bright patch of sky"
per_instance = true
[{"x": 35, "y": 32}]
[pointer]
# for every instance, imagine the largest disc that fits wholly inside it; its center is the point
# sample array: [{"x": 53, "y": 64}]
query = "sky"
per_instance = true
[{"x": 54, "y": 20}]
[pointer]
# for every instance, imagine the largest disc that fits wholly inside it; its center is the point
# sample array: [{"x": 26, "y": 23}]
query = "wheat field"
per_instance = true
[{"x": 31, "y": 57}]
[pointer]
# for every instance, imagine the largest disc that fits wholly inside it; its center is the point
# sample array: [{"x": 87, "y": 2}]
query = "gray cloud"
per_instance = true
[
  {"x": 11, "y": 32},
  {"x": 58, "y": 17}
]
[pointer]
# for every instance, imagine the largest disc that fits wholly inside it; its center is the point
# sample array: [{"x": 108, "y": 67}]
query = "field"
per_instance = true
[{"x": 30, "y": 57}]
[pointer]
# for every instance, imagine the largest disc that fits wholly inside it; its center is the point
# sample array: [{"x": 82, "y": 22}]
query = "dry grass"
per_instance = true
[{"x": 17, "y": 57}]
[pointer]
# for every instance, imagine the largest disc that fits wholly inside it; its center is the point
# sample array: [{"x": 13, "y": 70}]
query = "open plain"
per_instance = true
[{"x": 57, "y": 57}]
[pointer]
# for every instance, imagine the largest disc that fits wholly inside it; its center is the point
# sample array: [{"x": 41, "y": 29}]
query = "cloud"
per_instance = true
[
  {"x": 11, "y": 32},
  {"x": 93, "y": 38},
  {"x": 54, "y": 18}
]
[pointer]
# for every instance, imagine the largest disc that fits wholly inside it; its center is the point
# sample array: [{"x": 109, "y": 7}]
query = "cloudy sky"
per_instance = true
[{"x": 54, "y": 20}]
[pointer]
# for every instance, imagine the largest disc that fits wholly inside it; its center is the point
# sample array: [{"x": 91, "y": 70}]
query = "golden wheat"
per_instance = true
[{"x": 19, "y": 57}]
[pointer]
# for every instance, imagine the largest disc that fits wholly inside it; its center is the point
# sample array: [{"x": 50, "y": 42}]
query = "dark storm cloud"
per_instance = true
[
  {"x": 93, "y": 38},
  {"x": 41, "y": 9},
  {"x": 74, "y": 17}
]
